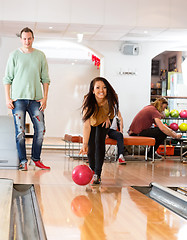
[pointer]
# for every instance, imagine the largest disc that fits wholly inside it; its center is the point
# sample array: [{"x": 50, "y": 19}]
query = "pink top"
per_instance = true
[{"x": 144, "y": 119}]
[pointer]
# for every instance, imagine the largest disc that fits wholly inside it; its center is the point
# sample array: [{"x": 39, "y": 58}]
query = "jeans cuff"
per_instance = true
[
  {"x": 24, "y": 161},
  {"x": 35, "y": 160}
]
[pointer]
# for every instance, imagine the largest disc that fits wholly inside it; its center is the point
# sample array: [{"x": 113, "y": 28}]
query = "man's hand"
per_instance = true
[
  {"x": 43, "y": 104},
  {"x": 9, "y": 103}
]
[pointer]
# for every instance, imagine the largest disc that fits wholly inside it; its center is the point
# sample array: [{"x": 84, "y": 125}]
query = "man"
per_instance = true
[
  {"x": 143, "y": 121},
  {"x": 117, "y": 124},
  {"x": 26, "y": 69}
]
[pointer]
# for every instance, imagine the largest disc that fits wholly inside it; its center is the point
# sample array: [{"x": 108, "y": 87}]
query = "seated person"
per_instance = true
[
  {"x": 117, "y": 124},
  {"x": 143, "y": 121}
]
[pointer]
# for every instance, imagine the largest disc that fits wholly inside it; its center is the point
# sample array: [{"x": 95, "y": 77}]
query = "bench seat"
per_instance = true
[{"x": 128, "y": 141}]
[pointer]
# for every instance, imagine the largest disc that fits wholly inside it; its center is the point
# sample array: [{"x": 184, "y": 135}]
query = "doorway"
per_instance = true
[
  {"x": 163, "y": 65},
  {"x": 71, "y": 69}
]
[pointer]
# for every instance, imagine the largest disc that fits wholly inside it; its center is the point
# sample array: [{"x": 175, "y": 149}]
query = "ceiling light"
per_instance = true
[
  {"x": 50, "y": 27},
  {"x": 145, "y": 32},
  {"x": 79, "y": 37}
]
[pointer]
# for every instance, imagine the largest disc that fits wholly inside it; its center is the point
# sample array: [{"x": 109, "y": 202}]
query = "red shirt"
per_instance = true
[{"x": 144, "y": 119}]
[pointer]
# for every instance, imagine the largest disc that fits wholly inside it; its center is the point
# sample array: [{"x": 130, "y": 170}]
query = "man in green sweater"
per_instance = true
[{"x": 26, "y": 71}]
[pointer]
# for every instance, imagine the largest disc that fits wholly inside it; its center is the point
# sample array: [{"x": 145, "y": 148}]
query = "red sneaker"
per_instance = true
[
  {"x": 121, "y": 160},
  {"x": 39, "y": 164}
]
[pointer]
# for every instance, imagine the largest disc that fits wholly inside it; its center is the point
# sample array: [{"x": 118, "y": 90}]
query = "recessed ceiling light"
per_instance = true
[
  {"x": 79, "y": 37},
  {"x": 50, "y": 27}
]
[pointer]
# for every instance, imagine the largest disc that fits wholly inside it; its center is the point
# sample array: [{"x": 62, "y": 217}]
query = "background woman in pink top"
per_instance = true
[{"x": 143, "y": 121}]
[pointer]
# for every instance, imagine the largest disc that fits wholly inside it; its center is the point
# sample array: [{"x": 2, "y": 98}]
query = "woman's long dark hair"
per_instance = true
[{"x": 90, "y": 104}]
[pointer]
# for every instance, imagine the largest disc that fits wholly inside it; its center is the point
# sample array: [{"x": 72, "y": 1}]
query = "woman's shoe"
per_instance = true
[
  {"x": 156, "y": 156},
  {"x": 95, "y": 180},
  {"x": 121, "y": 160}
]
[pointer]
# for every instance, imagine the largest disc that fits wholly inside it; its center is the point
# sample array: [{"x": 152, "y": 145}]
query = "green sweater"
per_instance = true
[{"x": 25, "y": 72}]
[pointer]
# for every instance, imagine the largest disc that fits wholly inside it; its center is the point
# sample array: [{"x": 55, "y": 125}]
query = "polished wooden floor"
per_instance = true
[{"x": 111, "y": 211}]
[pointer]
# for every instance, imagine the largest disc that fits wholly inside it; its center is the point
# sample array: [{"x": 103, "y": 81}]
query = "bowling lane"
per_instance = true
[
  {"x": 6, "y": 186},
  {"x": 105, "y": 213},
  {"x": 118, "y": 211}
]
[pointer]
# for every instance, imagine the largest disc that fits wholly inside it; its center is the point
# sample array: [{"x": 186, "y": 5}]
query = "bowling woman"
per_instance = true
[
  {"x": 98, "y": 110},
  {"x": 143, "y": 121}
]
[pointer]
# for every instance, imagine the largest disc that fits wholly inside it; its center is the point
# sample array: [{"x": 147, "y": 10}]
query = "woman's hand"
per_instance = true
[
  {"x": 107, "y": 123},
  {"x": 84, "y": 149},
  {"x": 179, "y": 135}
]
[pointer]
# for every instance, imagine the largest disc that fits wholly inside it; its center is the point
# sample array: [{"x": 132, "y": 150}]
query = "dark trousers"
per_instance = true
[
  {"x": 154, "y": 133},
  {"x": 96, "y": 148},
  {"x": 119, "y": 137}
]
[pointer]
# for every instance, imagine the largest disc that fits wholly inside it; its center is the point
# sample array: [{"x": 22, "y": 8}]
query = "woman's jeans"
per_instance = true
[
  {"x": 114, "y": 134},
  {"x": 154, "y": 133},
  {"x": 96, "y": 148},
  {"x": 37, "y": 118}
]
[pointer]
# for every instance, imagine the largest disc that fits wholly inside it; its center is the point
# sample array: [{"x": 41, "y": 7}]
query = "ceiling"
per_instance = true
[{"x": 68, "y": 31}]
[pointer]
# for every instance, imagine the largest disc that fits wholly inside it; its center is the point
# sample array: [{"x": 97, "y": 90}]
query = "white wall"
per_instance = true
[
  {"x": 134, "y": 91},
  {"x": 70, "y": 83},
  {"x": 7, "y": 45},
  {"x": 68, "y": 86}
]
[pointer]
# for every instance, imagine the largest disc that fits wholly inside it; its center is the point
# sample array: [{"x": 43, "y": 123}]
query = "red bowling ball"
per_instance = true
[
  {"x": 174, "y": 126},
  {"x": 183, "y": 113},
  {"x": 82, "y": 175}
]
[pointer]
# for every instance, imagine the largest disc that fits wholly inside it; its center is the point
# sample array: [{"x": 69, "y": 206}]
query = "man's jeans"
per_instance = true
[{"x": 37, "y": 117}]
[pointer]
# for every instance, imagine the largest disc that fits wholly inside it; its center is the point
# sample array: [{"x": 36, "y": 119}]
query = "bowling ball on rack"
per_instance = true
[
  {"x": 183, "y": 113},
  {"x": 174, "y": 126},
  {"x": 174, "y": 113},
  {"x": 82, "y": 174},
  {"x": 81, "y": 206},
  {"x": 183, "y": 127},
  {"x": 166, "y": 112}
]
